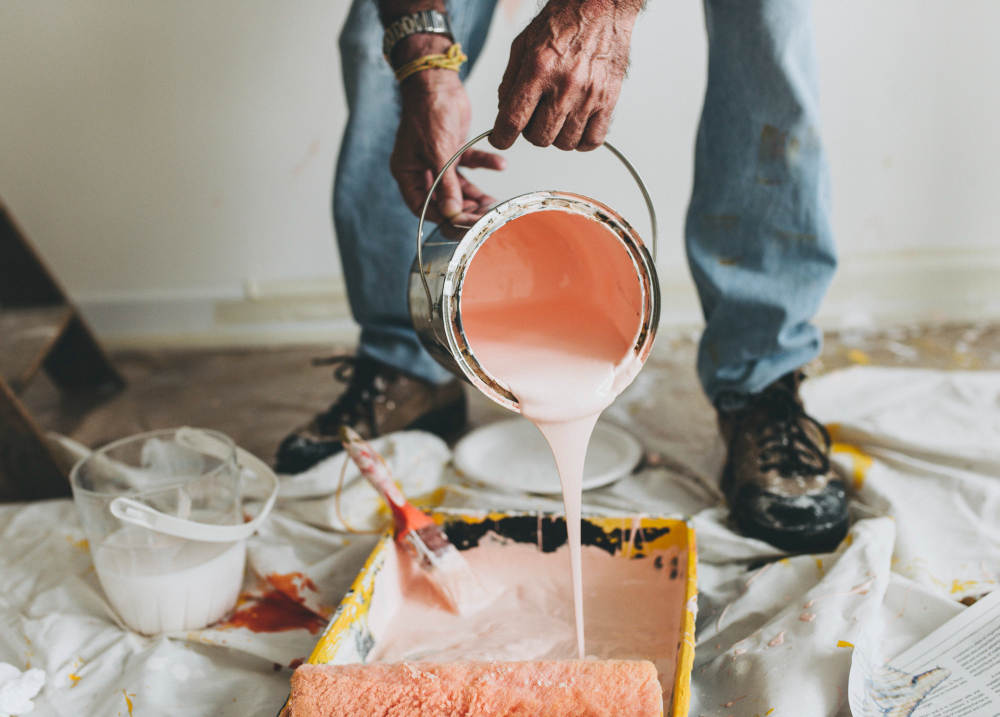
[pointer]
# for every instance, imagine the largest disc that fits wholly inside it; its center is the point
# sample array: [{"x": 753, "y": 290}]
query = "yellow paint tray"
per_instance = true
[{"x": 350, "y": 635}]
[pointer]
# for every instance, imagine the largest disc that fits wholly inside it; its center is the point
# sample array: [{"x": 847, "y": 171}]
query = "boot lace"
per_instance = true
[
  {"x": 785, "y": 444},
  {"x": 356, "y": 405}
]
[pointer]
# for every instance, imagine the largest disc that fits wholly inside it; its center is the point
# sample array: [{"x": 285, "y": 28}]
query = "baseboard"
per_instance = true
[
  {"x": 311, "y": 311},
  {"x": 868, "y": 292},
  {"x": 914, "y": 287}
]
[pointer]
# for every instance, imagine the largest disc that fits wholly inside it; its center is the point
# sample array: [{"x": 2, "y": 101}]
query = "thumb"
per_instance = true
[{"x": 449, "y": 194}]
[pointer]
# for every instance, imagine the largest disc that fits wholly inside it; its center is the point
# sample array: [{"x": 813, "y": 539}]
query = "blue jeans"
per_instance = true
[{"x": 757, "y": 233}]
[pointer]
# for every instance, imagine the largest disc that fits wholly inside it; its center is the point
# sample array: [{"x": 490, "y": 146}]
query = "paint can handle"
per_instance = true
[
  {"x": 135, "y": 512},
  {"x": 437, "y": 180}
]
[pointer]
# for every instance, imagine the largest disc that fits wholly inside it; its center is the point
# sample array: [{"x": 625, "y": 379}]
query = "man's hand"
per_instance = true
[
  {"x": 433, "y": 126},
  {"x": 565, "y": 74}
]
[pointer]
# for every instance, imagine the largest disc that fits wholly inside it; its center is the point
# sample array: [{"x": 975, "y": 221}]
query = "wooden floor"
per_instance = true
[{"x": 257, "y": 396}]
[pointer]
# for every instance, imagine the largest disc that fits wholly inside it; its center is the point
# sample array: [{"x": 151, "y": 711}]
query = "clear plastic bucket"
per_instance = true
[{"x": 162, "y": 512}]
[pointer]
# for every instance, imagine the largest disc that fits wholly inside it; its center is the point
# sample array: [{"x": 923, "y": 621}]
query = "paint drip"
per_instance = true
[{"x": 551, "y": 308}]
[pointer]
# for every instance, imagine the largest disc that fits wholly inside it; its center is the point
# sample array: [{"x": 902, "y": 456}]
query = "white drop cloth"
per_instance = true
[{"x": 925, "y": 460}]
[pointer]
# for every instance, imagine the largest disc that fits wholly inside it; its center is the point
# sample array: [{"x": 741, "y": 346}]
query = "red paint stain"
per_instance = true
[
  {"x": 292, "y": 585},
  {"x": 274, "y": 612},
  {"x": 294, "y": 664}
]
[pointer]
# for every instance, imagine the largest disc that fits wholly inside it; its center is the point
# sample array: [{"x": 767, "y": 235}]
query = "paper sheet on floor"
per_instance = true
[
  {"x": 776, "y": 634},
  {"x": 953, "y": 672}
]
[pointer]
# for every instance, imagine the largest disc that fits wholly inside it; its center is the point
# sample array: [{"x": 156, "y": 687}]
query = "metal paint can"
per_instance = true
[{"x": 438, "y": 273}]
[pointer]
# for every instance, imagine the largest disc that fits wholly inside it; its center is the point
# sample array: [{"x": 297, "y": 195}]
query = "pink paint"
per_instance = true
[
  {"x": 532, "y": 615},
  {"x": 861, "y": 589},
  {"x": 551, "y": 307},
  {"x": 906, "y": 597},
  {"x": 778, "y": 639},
  {"x": 748, "y": 637},
  {"x": 746, "y": 586},
  {"x": 807, "y": 616},
  {"x": 738, "y": 651}
]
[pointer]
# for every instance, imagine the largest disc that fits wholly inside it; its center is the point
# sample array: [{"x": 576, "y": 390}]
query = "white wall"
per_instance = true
[{"x": 173, "y": 161}]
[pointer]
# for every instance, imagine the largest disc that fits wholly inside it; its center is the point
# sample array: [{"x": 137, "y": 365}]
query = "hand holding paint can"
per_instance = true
[{"x": 549, "y": 305}]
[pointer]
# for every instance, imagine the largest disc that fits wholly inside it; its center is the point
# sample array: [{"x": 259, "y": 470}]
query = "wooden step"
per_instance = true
[{"x": 26, "y": 337}]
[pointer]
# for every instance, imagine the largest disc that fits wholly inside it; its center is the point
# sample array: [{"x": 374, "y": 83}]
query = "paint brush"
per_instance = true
[{"x": 416, "y": 531}]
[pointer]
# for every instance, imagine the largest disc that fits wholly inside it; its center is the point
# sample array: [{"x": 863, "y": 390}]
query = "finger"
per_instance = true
[
  {"x": 413, "y": 187},
  {"x": 474, "y": 194},
  {"x": 478, "y": 159},
  {"x": 513, "y": 69},
  {"x": 516, "y": 111},
  {"x": 597, "y": 130},
  {"x": 449, "y": 194},
  {"x": 572, "y": 130},
  {"x": 545, "y": 123}
]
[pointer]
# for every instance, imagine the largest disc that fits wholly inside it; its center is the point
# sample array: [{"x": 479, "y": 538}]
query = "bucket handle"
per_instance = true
[
  {"x": 420, "y": 227},
  {"x": 136, "y": 513}
]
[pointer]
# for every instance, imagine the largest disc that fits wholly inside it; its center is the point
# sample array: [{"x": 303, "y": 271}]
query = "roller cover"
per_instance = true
[{"x": 557, "y": 688}]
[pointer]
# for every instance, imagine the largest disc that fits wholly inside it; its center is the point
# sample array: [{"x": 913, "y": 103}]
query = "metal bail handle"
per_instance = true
[
  {"x": 459, "y": 153},
  {"x": 137, "y": 513}
]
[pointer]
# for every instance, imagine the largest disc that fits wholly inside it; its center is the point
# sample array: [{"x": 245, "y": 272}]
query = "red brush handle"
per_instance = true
[{"x": 370, "y": 463}]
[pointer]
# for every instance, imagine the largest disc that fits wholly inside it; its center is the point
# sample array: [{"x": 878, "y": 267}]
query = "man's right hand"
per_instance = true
[{"x": 434, "y": 125}]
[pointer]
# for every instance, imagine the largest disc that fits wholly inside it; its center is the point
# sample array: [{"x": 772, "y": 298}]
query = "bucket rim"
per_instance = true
[
  {"x": 530, "y": 202},
  {"x": 165, "y": 485}
]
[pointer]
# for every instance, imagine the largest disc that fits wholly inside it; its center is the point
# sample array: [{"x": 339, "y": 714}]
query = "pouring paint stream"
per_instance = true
[{"x": 551, "y": 307}]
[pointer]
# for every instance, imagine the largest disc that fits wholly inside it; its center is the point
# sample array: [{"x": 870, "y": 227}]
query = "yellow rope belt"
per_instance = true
[{"x": 452, "y": 60}]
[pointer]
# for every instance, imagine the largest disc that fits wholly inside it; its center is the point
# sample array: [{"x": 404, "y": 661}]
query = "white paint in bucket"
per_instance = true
[{"x": 173, "y": 585}]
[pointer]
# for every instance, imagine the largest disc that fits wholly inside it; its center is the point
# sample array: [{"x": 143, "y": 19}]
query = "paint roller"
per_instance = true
[{"x": 554, "y": 688}]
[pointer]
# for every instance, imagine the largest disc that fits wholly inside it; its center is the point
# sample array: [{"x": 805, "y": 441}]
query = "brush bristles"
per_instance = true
[
  {"x": 448, "y": 570},
  {"x": 434, "y": 538}
]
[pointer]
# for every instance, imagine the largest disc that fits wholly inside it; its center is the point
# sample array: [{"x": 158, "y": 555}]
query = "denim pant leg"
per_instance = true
[
  {"x": 758, "y": 232},
  {"x": 376, "y": 233}
]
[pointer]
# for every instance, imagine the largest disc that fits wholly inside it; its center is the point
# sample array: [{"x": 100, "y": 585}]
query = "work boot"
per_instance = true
[
  {"x": 778, "y": 479},
  {"x": 378, "y": 400}
]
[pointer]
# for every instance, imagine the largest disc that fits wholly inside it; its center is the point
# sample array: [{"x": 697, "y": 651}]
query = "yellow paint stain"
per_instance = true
[
  {"x": 83, "y": 544},
  {"x": 769, "y": 712},
  {"x": 960, "y": 586},
  {"x": 858, "y": 356},
  {"x": 918, "y": 565},
  {"x": 861, "y": 462},
  {"x": 819, "y": 566},
  {"x": 845, "y": 643},
  {"x": 834, "y": 430},
  {"x": 847, "y": 541},
  {"x": 128, "y": 702},
  {"x": 434, "y": 499},
  {"x": 785, "y": 561},
  {"x": 75, "y": 678}
]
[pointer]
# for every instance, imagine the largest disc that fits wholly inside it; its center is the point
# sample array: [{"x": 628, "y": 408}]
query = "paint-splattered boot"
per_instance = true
[
  {"x": 378, "y": 400},
  {"x": 778, "y": 480}
]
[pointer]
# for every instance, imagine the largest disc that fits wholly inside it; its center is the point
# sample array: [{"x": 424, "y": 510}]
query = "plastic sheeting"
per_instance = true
[{"x": 775, "y": 633}]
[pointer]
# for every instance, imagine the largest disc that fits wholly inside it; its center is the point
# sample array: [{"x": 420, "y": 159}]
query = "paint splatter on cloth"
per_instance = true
[{"x": 922, "y": 451}]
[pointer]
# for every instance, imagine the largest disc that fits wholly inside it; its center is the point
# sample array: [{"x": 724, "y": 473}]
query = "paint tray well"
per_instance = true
[{"x": 639, "y": 597}]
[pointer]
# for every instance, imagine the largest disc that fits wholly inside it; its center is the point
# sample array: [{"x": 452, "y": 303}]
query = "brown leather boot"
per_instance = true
[
  {"x": 778, "y": 479},
  {"x": 378, "y": 400}
]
